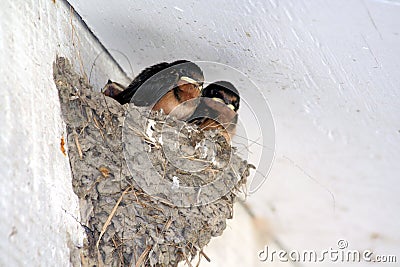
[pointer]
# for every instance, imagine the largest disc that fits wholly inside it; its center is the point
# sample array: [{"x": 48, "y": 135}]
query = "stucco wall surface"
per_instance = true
[{"x": 38, "y": 209}]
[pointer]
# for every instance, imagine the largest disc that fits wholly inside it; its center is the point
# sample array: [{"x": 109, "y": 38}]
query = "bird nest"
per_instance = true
[{"x": 153, "y": 190}]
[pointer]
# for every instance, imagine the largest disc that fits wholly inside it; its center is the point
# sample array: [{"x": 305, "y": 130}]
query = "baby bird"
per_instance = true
[
  {"x": 218, "y": 109},
  {"x": 112, "y": 89},
  {"x": 162, "y": 86}
]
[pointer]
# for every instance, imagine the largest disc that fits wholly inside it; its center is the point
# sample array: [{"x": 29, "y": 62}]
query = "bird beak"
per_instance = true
[
  {"x": 192, "y": 81},
  {"x": 189, "y": 80},
  {"x": 231, "y": 107},
  {"x": 222, "y": 101},
  {"x": 218, "y": 100}
]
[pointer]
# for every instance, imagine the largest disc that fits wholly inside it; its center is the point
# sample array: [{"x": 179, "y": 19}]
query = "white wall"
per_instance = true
[
  {"x": 38, "y": 209},
  {"x": 330, "y": 71}
]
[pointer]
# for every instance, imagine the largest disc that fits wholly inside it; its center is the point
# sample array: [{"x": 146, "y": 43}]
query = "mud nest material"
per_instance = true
[{"x": 152, "y": 191}]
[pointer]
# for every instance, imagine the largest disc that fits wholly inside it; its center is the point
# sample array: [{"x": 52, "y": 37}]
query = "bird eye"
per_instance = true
[{"x": 216, "y": 94}]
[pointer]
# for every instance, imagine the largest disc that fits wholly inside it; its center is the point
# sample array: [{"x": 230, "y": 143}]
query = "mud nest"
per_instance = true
[{"x": 153, "y": 190}]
